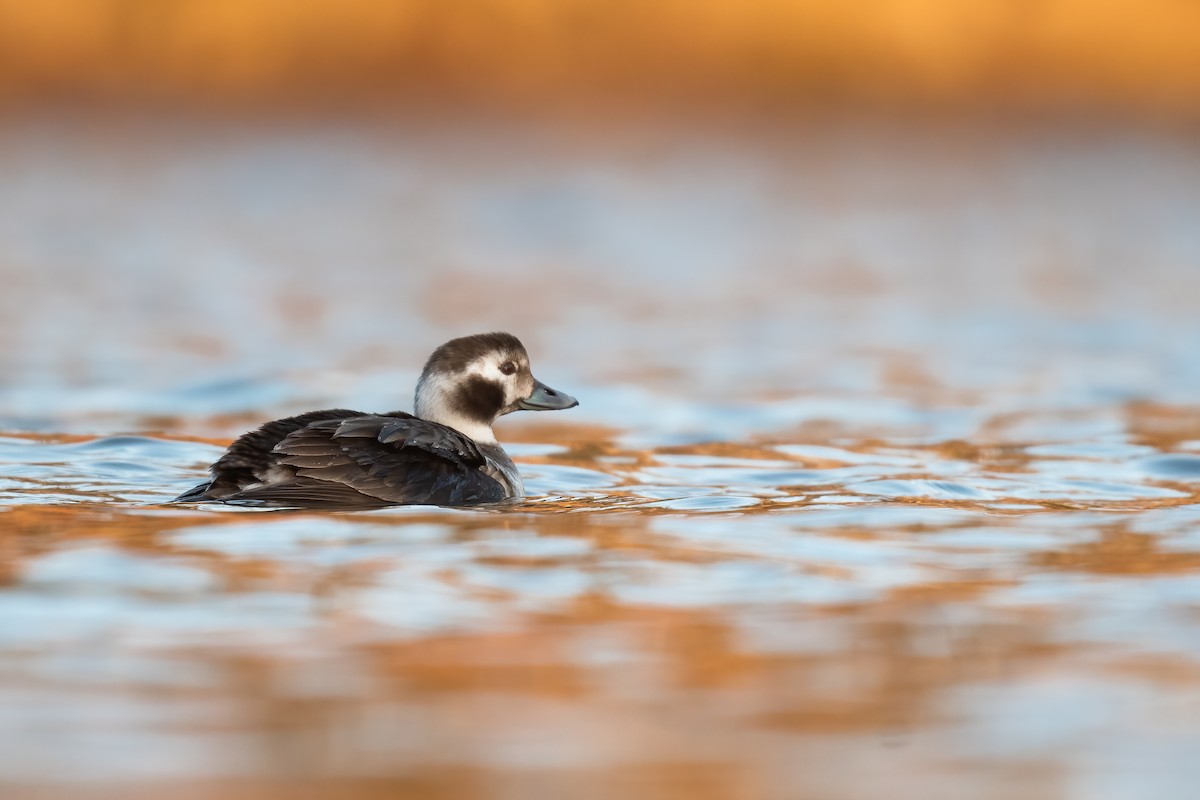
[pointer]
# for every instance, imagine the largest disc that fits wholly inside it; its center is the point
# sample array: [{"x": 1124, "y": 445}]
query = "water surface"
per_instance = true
[{"x": 885, "y": 472}]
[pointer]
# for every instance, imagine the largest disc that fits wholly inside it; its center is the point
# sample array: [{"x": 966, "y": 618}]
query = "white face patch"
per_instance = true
[{"x": 517, "y": 386}]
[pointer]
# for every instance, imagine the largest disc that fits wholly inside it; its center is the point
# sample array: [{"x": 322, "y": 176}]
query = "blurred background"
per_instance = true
[
  {"x": 740, "y": 199},
  {"x": 1100, "y": 56},
  {"x": 882, "y": 317}
]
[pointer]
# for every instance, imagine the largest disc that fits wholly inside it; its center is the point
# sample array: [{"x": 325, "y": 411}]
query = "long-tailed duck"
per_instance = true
[{"x": 444, "y": 455}]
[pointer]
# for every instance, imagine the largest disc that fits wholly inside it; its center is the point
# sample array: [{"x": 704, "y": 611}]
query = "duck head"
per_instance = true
[{"x": 468, "y": 382}]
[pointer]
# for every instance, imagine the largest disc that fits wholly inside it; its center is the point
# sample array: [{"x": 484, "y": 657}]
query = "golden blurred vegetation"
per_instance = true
[{"x": 1107, "y": 54}]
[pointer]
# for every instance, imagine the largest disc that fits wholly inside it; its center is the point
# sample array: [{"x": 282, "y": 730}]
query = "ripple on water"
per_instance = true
[
  {"x": 1118, "y": 449},
  {"x": 741, "y": 477},
  {"x": 88, "y": 570},
  {"x": 731, "y": 583},
  {"x": 705, "y": 503},
  {"x": 1178, "y": 467},
  {"x": 123, "y": 468},
  {"x": 310, "y": 538},
  {"x": 562, "y": 479},
  {"x": 41, "y": 619},
  {"x": 944, "y": 490}
]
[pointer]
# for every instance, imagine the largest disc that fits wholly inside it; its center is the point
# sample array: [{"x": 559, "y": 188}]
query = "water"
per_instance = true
[{"x": 885, "y": 472}]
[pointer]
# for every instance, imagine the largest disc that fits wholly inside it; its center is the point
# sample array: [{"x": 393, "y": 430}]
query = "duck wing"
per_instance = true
[
  {"x": 250, "y": 458},
  {"x": 376, "y": 460}
]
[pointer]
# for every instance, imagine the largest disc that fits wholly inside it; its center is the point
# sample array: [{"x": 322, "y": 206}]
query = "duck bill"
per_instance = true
[{"x": 543, "y": 398}]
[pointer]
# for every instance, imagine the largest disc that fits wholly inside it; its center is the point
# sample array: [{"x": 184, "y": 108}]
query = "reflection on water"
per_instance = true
[
  {"x": 746, "y": 618},
  {"x": 850, "y": 503}
]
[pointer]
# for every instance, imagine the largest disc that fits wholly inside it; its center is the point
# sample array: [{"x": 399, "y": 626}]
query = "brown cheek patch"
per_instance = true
[{"x": 479, "y": 399}]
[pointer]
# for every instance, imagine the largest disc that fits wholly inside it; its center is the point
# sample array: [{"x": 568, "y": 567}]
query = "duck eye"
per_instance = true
[{"x": 508, "y": 368}]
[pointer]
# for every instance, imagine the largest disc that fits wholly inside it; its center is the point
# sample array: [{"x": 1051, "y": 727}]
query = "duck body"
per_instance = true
[{"x": 445, "y": 454}]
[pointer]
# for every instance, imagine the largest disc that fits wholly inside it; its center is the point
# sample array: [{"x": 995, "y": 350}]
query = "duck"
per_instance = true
[{"x": 444, "y": 454}]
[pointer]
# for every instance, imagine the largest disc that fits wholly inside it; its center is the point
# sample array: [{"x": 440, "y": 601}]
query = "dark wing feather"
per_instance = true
[
  {"x": 250, "y": 457},
  {"x": 390, "y": 459},
  {"x": 308, "y": 493}
]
